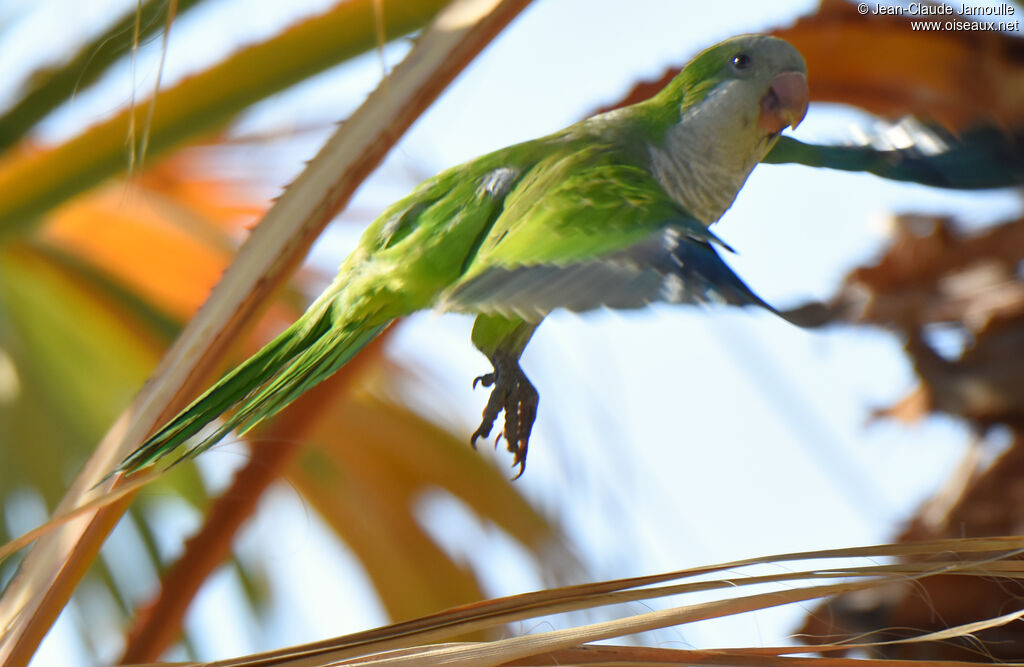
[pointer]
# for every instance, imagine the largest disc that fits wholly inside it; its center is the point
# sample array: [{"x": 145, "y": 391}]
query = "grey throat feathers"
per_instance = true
[{"x": 707, "y": 156}]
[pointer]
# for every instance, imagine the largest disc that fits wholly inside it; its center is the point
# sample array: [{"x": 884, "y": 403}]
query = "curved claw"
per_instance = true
[
  {"x": 519, "y": 459},
  {"x": 481, "y": 432},
  {"x": 516, "y": 397}
]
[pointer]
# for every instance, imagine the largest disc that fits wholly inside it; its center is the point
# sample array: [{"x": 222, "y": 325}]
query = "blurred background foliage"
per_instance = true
[
  {"x": 109, "y": 247},
  {"x": 938, "y": 283},
  {"x": 112, "y": 238}
]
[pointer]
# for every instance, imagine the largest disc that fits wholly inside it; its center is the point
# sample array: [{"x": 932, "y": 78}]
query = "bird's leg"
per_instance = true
[
  {"x": 503, "y": 339},
  {"x": 513, "y": 394}
]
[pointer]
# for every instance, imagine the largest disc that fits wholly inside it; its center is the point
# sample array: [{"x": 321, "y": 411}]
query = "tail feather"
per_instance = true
[
  {"x": 307, "y": 369},
  {"x": 301, "y": 356}
]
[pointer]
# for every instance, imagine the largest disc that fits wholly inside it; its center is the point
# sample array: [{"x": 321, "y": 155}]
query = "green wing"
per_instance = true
[{"x": 588, "y": 230}]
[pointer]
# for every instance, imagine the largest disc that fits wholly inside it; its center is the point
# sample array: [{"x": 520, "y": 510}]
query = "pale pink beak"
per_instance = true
[{"x": 785, "y": 103}]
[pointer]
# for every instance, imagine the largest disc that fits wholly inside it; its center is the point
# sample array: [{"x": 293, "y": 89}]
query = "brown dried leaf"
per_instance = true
[
  {"x": 931, "y": 274},
  {"x": 974, "y": 504},
  {"x": 412, "y": 642}
]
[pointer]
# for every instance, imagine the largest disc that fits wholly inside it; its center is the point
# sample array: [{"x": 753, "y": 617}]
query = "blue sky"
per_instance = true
[{"x": 666, "y": 438}]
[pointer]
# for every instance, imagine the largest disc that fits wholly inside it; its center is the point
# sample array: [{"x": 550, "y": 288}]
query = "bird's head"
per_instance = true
[
  {"x": 758, "y": 79},
  {"x": 721, "y": 115}
]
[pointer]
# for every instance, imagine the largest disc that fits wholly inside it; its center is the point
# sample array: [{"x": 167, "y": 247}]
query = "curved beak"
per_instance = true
[{"x": 785, "y": 103}]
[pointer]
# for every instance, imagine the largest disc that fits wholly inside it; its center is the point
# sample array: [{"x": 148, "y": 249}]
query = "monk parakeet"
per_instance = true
[{"x": 610, "y": 212}]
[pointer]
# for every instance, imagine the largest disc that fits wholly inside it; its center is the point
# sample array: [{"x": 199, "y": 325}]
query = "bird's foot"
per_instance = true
[{"x": 513, "y": 394}]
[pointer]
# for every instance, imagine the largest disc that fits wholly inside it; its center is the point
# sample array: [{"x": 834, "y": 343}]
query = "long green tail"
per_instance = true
[{"x": 302, "y": 356}]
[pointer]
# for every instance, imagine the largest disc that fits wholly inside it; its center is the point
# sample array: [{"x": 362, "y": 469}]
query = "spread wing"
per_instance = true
[{"x": 586, "y": 232}]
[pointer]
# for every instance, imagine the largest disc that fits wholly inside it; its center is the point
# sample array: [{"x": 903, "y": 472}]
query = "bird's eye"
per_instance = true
[{"x": 741, "y": 61}]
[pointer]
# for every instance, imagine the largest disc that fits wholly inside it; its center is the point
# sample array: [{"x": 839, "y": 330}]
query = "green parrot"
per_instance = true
[{"x": 610, "y": 212}]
